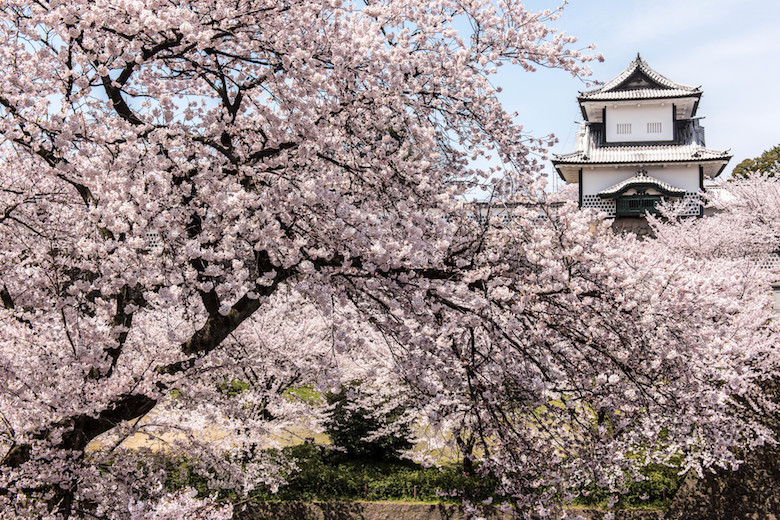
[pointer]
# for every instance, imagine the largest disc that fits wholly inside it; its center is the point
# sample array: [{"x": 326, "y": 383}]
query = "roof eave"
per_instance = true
[
  {"x": 621, "y": 191},
  {"x": 555, "y": 164},
  {"x": 725, "y": 160},
  {"x": 559, "y": 171},
  {"x": 584, "y": 113},
  {"x": 650, "y": 162},
  {"x": 697, "y": 95},
  {"x": 696, "y": 105}
]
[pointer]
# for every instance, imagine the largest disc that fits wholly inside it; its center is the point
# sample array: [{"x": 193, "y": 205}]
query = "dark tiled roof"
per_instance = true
[
  {"x": 643, "y": 93},
  {"x": 639, "y": 81},
  {"x": 688, "y": 146},
  {"x": 641, "y": 181}
]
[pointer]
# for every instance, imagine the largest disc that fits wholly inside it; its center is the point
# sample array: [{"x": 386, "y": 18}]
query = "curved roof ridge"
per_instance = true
[
  {"x": 660, "y": 78},
  {"x": 641, "y": 66},
  {"x": 640, "y": 153},
  {"x": 643, "y": 180}
]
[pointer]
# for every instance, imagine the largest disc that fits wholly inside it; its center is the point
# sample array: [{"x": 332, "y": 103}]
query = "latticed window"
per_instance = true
[
  {"x": 653, "y": 128},
  {"x": 153, "y": 240},
  {"x": 597, "y": 203},
  {"x": 623, "y": 128},
  {"x": 636, "y": 206}
]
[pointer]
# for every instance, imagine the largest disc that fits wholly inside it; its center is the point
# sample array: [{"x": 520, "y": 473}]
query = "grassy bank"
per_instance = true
[{"x": 324, "y": 475}]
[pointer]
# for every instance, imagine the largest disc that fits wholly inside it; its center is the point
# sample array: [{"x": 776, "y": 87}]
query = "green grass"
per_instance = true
[
  {"x": 304, "y": 393},
  {"x": 325, "y": 476},
  {"x": 655, "y": 492}
]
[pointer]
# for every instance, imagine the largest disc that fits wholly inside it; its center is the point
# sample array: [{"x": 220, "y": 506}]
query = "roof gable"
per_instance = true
[
  {"x": 639, "y": 76},
  {"x": 637, "y": 80},
  {"x": 641, "y": 182}
]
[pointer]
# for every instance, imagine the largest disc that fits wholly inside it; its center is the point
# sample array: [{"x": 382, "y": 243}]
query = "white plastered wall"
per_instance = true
[
  {"x": 599, "y": 178},
  {"x": 685, "y": 177},
  {"x": 602, "y": 177},
  {"x": 638, "y": 117}
]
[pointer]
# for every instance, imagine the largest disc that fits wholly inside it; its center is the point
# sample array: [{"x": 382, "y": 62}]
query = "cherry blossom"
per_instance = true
[{"x": 203, "y": 192}]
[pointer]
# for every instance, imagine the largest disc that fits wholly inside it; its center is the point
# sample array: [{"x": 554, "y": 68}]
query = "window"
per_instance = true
[
  {"x": 653, "y": 128},
  {"x": 636, "y": 205},
  {"x": 153, "y": 240},
  {"x": 623, "y": 128}
]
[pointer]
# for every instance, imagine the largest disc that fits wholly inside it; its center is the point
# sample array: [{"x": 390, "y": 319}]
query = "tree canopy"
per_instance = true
[
  {"x": 768, "y": 163},
  {"x": 198, "y": 192}
]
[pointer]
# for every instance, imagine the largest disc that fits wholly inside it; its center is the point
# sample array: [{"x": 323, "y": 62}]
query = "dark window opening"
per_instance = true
[{"x": 636, "y": 206}]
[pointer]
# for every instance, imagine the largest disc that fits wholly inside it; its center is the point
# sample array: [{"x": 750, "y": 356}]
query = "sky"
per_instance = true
[{"x": 729, "y": 48}]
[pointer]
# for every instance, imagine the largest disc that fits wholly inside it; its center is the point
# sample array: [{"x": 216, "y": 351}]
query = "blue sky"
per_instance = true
[{"x": 730, "y": 48}]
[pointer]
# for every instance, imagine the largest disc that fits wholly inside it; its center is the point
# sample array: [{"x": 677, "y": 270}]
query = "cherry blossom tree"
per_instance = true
[
  {"x": 741, "y": 232},
  {"x": 743, "y": 222},
  {"x": 202, "y": 191},
  {"x": 600, "y": 353}
]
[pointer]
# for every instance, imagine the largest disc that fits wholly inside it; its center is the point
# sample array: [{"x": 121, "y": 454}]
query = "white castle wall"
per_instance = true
[
  {"x": 685, "y": 177},
  {"x": 600, "y": 178},
  {"x": 639, "y": 122}
]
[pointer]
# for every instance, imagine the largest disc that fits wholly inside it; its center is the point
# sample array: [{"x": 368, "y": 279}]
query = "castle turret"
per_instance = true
[{"x": 640, "y": 142}]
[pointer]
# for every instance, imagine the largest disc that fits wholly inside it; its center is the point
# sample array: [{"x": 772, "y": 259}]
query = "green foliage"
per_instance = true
[
  {"x": 659, "y": 487},
  {"x": 180, "y": 474},
  {"x": 349, "y": 424},
  {"x": 768, "y": 163},
  {"x": 325, "y": 475},
  {"x": 305, "y": 394},
  {"x": 232, "y": 388}
]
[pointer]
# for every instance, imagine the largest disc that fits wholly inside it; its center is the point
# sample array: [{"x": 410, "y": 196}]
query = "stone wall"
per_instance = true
[
  {"x": 397, "y": 511},
  {"x": 750, "y": 493}
]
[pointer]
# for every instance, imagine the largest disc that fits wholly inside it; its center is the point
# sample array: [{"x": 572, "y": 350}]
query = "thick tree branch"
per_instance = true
[{"x": 82, "y": 429}]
